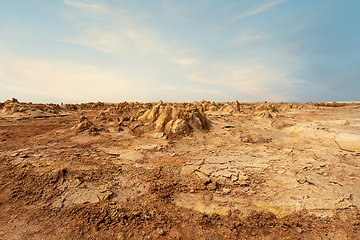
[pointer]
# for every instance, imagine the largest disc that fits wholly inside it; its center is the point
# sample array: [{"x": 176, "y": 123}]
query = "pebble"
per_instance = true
[
  {"x": 301, "y": 180},
  {"x": 203, "y": 177},
  {"x": 226, "y": 190},
  {"x": 211, "y": 185},
  {"x": 14, "y": 154},
  {"x": 160, "y": 231},
  {"x": 251, "y": 192}
]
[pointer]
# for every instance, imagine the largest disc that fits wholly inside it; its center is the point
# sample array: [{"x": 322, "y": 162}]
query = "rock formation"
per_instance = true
[
  {"x": 84, "y": 125},
  {"x": 171, "y": 120}
]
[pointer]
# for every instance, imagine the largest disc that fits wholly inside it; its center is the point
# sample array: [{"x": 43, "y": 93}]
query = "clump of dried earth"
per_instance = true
[{"x": 201, "y": 170}]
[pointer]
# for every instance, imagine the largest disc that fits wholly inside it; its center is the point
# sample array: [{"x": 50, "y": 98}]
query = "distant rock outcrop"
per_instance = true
[
  {"x": 171, "y": 120},
  {"x": 266, "y": 110},
  {"x": 20, "y": 110},
  {"x": 233, "y": 107}
]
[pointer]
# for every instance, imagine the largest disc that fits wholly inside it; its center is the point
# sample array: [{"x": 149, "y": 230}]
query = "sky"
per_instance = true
[{"x": 75, "y": 51}]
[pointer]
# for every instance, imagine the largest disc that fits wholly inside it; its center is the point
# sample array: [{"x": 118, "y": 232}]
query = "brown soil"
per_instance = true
[{"x": 248, "y": 177}]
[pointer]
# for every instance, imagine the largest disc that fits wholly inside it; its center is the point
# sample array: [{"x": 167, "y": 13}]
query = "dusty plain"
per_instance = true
[{"x": 199, "y": 170}]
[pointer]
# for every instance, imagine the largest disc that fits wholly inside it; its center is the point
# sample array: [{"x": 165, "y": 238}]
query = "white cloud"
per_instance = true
[
  {"x": 184, "y": 61},
  {"x": 258, "y": 81},
  {"x": 259, "y": 9}
]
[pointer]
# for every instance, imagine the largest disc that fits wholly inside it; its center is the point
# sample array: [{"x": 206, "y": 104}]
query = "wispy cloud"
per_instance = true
[
  {"x": 92, "y": 8},
  {"x": 257, "y": 81},
  {"x": 121, "y": 32},
  {"x": 188, "y": 93},
  {"x": 184, "y": 61},
  {"x": 114, "y": 40},
  {"x": 188, "y": 89},
  {"x": 259, "y": 9},
  {"x": 100, "y": 40},
  {"x": 245, "y": 39}
]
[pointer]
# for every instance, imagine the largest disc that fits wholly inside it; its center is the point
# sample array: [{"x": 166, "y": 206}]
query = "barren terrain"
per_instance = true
[{"x": 197, "y": 170}]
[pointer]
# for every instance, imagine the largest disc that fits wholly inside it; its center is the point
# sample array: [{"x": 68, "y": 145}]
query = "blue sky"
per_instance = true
[{"x": 115, "y": 50}]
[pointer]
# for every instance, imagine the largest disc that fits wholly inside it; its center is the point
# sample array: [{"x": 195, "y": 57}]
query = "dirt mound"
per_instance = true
[{"x": 171, "y": 120}]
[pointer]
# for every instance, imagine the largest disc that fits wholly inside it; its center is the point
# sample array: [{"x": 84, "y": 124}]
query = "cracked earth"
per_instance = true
[{"x": 280, "y": 171}]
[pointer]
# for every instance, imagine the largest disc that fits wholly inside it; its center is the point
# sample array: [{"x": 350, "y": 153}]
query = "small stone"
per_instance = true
[
  {"x": 234, "y": 178},
  {"x": 243, "y": 180},
  {"x": 223, "y": 180},
  {"x": 121, "y": 236},
  {"x": 188, "y": 169},
  {"x": 135, "y": 126},
  {"x": 203, "y": 177},
  {"x": 160, "y": 231},
  {"x": 82, "y": 118},
  {"x": 157, "y": 135},
  {"x": 226, "y": 190},
  {"x": 151, "y": 147},
  {"x": 281, "y": 171},
  {"x": 301, "y": 180},
  {"x": 251, "y": 192},
  {"x": 104, "y": 195},
  {"x": 228, "y": 126},
  {"x": 14, "y": 154},
  {"x": 211, "y": 185}
]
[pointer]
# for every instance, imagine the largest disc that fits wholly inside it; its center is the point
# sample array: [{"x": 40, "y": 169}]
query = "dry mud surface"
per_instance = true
[{"x": 179, "y": 171}]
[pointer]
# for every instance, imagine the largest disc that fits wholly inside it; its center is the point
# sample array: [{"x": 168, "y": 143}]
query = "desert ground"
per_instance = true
[{"x": 200, "y": 170}]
